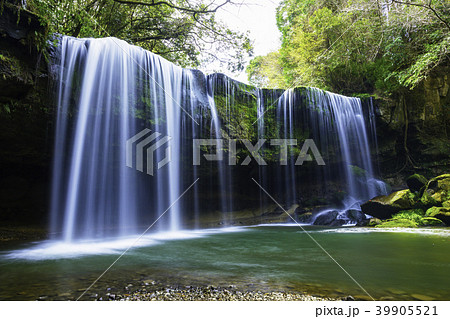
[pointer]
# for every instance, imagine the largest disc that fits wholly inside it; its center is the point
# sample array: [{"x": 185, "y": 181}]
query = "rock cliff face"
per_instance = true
[
  {"x": 414, "y": 130},
  {"x": 25, "y": 118}
]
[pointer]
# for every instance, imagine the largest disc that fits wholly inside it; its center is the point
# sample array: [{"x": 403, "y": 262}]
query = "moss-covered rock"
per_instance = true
[
  {"x": 437, "y": 191},
  {"x": 384, "y": 207},
  {"x": 427, "y": 200},
  {"x": 404, "y": 223},
  {"x": 441, "y": 213},
  {"x": 374, "y": 222},
  {"x": 416, "y": 182},
  {"x": 431, "y": 221}
]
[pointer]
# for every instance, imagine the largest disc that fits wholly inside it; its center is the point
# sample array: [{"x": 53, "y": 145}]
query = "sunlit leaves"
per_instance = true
[{"x": 185, "y": 32}]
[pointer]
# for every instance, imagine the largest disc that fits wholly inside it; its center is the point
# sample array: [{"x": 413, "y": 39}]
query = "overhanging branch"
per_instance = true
[
  {"x": 426, "y": 6},
  {"x": 154, "y": 3}
]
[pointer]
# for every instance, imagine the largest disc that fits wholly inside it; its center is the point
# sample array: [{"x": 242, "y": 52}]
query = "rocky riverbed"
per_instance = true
[{"x": 211, "y": 293}]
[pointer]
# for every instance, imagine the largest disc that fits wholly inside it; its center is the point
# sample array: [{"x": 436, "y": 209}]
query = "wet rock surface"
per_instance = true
[{"x": 385, "y": 206}]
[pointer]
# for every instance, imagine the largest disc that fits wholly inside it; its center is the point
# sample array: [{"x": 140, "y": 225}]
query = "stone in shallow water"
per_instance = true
[{"x": 326, "y": 218}]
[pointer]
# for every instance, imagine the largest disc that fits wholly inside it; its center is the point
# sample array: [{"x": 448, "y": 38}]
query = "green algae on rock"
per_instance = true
[
  {"x": 437, "y": 191},
  {"x": 441, "y": 213},
  {"x": 385, "y": 206}
]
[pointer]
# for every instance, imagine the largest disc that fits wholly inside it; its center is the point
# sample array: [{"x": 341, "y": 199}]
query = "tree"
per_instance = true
[
  {"x": 182, "y": 31},
  {"x": 266, "y": 71},
  {"x": 361, "y": 46}
]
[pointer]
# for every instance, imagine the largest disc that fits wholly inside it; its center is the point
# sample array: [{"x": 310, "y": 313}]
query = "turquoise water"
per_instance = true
[{"x": 388, "y": 264}]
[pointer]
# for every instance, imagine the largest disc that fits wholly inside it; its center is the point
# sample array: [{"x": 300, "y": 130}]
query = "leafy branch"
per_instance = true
[{"x": 427, "y": 6}]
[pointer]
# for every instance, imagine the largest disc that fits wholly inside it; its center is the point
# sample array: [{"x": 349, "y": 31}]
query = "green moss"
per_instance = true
[
  {"x": 358, "y": 171},
  {"x": 10, "y": 67},
  {"x": 403, "y": 199},
  {"x": 416, "y": 211},
  {"x": 431, "y": 221},
  {"x": 408, "y": 218},
  {"x": 437, "y": 191},
  {"x": 427, "y": 200},
  {"x": 432, "y": 211},
  {"x": 414, "y": 215},
  {"x": 441, "y": 213},
  {"x": 416, "y": 182},
  {"x": 374, "y": 222},
  {"x": 397, "y": 223}
]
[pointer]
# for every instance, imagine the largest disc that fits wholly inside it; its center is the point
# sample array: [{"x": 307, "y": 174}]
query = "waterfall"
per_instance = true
[
  {"x": 342, "y": 129},
  {"x": 109, "y": 91},
  {"x": 124, "y": 130},
  {"x": 346, "y": 121}
]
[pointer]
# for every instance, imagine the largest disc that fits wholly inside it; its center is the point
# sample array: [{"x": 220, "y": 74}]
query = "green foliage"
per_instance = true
[
  {"x": 357, "y": 46},
  {"x": 431, "y": 221},
  {"x": 183, "y": 31},
  {"x": 358, "y": 171},
  {"x": 410, "y": 218},
  {"x": 265, "y": 71},
  {"x": 415, "y": 215},
  {"x": 403, "y": 223}
]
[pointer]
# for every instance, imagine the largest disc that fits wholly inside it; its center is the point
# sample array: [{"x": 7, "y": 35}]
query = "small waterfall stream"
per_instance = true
[{"x": 117, "y": 103}]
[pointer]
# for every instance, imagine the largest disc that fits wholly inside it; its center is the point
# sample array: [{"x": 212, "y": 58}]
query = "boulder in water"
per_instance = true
[
  {"x": 384, "y": 207},
  {"x": 305, "y": 218},
  {"x": 374, "y": 222},
  {"x": 326, "y": 218},
  {"x": 355, "y": 215},
  {"x": 416, "y": 182}
]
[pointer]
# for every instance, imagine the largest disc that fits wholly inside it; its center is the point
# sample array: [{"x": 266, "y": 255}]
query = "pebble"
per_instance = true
[
  {"x": 349, "y": 298},
  {"x": 213, "y": 293}
]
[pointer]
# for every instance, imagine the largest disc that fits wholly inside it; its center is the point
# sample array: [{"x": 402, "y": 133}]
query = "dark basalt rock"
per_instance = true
[
  {"x": 327, "y": 218},
  {"x": 416, "y": 182},
  {"x": 384, "y": 207},
  {"x": 355, "y": 216}
]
